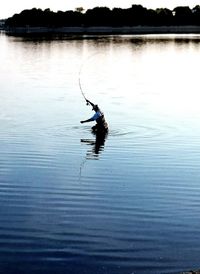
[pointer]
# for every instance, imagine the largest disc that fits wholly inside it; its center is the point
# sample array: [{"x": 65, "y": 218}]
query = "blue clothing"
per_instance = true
[{"x": 96, "y": 116}]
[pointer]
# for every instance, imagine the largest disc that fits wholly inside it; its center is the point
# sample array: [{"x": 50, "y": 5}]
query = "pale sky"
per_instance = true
[{"x": 10, "y": 7}]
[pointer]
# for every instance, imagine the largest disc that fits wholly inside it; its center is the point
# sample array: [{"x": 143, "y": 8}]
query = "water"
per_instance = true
[{"x": 129, "y": 204}]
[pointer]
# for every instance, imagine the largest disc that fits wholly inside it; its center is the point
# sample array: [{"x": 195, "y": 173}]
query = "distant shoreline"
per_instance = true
[{"x": 105, "y": 30}]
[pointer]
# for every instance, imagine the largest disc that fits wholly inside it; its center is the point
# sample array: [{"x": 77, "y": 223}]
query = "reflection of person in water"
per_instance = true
[
  {"x": 97, "y": 144},
  {"x": 96, "y": 147},
  {"x": 101, "y": 124}
]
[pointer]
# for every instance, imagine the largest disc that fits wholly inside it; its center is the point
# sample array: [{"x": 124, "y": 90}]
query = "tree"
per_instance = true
[
  {"x": 80, "y": 9},
  {"x": 196, "y": 15},
  {"x": 138, "y": 14},
  {"x": 165, "y": 16},
  {"x": 183, "y": 15},
  {"x": 102, "y": 16},
  {"x": 99, "y": 16}
]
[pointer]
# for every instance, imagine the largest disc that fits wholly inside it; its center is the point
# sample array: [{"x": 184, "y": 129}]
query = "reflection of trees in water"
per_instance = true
[{"x": 96, "y": 145}]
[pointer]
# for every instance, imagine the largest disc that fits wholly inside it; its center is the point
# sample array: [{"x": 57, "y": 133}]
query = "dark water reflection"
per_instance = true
[
  {"x": 73, "y": 202},
  {"x": 96, "y": 145}
]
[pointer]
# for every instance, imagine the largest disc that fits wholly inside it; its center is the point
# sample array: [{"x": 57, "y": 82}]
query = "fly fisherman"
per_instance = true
[{"x": 101, "y": 125}]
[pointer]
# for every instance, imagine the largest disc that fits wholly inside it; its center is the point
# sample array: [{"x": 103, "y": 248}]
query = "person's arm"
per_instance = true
[
  {"x": 85, "y": 121},
  {"x": 90, "y": 103},
  {"x": 93, "y": 118}
]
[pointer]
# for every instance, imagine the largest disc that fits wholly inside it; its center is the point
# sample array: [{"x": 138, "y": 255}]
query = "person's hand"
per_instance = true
[{"x": 81, "y": 122}]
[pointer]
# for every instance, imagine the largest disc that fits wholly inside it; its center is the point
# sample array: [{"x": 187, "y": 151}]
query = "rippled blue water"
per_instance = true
[{"x": 129, "y": 204}]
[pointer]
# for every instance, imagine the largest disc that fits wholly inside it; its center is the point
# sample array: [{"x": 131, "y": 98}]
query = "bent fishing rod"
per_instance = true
[
  {"x": 79, "y": 78},
  {"x": 79, "y": 81}
]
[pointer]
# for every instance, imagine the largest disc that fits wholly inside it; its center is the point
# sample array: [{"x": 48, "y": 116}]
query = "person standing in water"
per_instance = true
[{"x": 101, "y": 124}]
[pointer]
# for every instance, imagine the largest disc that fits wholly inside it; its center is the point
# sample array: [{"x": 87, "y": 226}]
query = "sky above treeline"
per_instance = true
[{"x": 10, "y": 7}]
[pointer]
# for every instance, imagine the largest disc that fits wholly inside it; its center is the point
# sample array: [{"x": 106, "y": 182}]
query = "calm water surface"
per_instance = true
[{"x": 129, "y": 204}]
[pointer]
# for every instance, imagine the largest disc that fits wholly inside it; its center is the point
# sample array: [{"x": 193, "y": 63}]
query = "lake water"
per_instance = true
[{"x": 127, "y": 205}]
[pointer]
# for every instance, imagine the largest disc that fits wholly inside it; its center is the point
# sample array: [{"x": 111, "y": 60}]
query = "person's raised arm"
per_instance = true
[{"x": 90, "y": 103}]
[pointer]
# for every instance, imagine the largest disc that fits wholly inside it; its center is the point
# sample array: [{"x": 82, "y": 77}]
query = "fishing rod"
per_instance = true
[
  {"x": 79, "y": 81},
  {"x": 79, "y": 76}
]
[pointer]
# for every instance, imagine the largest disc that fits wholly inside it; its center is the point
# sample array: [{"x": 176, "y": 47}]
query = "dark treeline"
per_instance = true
[{"x": 103, "y": 16}]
